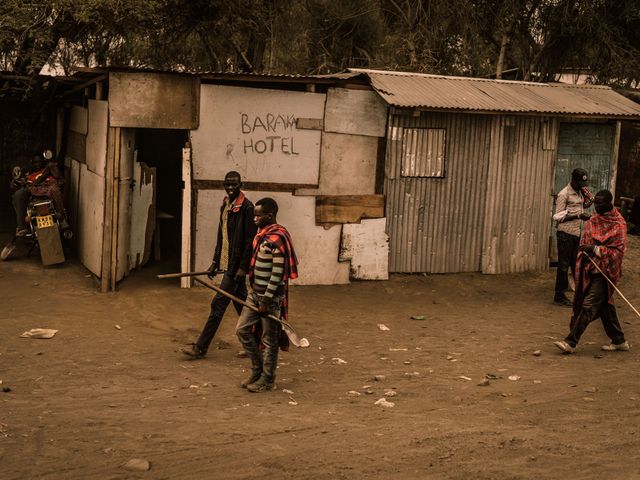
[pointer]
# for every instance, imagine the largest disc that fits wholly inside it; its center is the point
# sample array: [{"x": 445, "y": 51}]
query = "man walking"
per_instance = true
[
  {"x": 232, "y": 256},
  {"x": 273, "y": 263},
  {"x": 604, "y": 242},
  {"x": 570, "y": 205}
]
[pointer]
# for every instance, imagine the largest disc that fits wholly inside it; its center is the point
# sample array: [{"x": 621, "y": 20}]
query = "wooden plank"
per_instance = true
[
  {"x": 115, "y": 224},
  {"x": 613, "y": 173},
  {"x": 254, "y": 186},
  {"x": 348, "y": 208},
  {"x": 309, "y": 123},
  {"x": 186, "y": 282},
  {"x": 97, "y": 136},
  {"x": 77, "y": 146},
  {"x": 356, "y": 112},
  {"x": 105, "y": 277},
  {"x": 50, "y": 245},
  {"x": 153, "y": 100}
]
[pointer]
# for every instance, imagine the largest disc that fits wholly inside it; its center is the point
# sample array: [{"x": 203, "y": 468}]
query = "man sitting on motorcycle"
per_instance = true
[{"x": 44, "y": 181}]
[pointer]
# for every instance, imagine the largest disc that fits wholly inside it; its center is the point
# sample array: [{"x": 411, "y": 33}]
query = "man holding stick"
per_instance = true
[
  {"x": 232, "y": 256},
  {"x": 599, "y": 267},
  {"x": 273, "y": 263}
]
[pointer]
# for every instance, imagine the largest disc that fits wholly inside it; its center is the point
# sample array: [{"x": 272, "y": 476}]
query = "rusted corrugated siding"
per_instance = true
[
  {"x": 519, "y": 201},
  {"x": 491, "y": 211},
  {"x": 416, "y": 90},
  {"x": 435, "y": 224}
]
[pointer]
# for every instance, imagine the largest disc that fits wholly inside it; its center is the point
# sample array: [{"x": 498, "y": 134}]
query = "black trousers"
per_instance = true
[
  {"x": 219, "y": 305},
  {"x": 567, "y": 255},
  {"x": 596, "y": 304}
]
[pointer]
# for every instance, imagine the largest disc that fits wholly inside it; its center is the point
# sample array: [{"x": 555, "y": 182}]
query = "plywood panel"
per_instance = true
[
  {"x": 347, "y": 166},
  {"x": 77, "y": 146},
  {"x": 97, "y": 136},
  {"x": 127, "y": 158},
  {"x": 366, "y": 245},
  {"x": 359, "y": 112},
  {"x": 153, "y": 100},
  {"x": 90, "y": 220},
  {"x": 254, "y": 132},
  {"x": 78, "y": 120},
  {"x": 348, "y": 208},
  {"x": 317, "y": 248},
  {"x": 143, "y": 214}
]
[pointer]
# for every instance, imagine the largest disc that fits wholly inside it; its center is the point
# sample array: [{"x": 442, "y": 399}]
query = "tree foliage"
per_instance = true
[{"x": 525, "y": 39}]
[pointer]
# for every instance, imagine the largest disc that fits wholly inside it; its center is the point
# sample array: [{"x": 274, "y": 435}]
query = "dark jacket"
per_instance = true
[{"x": 240, "y": 231}]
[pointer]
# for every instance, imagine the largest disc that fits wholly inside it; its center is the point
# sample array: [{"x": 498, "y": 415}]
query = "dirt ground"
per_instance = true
[{"x": 85, "y": 402}]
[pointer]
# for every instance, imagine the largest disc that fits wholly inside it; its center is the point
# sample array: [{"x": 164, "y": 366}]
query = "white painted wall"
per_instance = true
[
  {"x": 316, "y": 248},
  {"x": 97, "y": 136},
  {"x": 347, "y": 167},
  {"x": 90, "y": 219},
  {"x": 367, "y": 246},
  {"x": 253, "y": 131},
  {"x": 358, "y": 112}
]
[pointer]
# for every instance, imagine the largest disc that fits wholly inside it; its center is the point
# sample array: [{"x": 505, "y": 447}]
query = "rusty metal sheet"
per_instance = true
[{"x": 416, "y": 90}]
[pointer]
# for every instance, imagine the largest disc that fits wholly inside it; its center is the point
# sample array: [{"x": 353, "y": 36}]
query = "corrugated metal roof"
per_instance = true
[{"x": 438, "y": 92}]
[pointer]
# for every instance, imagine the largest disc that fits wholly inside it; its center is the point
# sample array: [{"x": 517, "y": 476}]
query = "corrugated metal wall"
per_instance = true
[
  {"x": 491, "y": 210},
  {"x": 588, "y": 146},
  {"x": 435, "y": 224},
  {"x": 519, "y": 201}
]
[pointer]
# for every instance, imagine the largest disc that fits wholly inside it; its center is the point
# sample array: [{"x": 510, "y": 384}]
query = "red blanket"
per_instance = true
[{"x": 609, "y": 233}]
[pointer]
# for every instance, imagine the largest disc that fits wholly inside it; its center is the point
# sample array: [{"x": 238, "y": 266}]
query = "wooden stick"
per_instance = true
[
  {"x": 615, "y": 288},
  {"x": 286, "y": 326},
  {"x": 180, "y": 275}
]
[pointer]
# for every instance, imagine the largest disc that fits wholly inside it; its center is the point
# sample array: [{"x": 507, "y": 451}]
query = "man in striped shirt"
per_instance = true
[{"x": 272, "y": 265}]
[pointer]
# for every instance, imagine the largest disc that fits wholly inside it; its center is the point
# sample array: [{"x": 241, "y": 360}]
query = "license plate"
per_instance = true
[{"x": 45, "y": 221}]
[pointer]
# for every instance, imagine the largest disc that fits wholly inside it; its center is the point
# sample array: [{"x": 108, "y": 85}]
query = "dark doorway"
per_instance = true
[{"x": 162, "y": 149}]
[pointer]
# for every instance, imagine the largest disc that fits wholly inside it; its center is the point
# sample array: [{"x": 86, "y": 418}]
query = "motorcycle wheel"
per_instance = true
[{"x": 7, "y": 251}]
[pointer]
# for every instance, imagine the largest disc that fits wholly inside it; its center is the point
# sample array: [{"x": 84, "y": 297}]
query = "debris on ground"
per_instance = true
[
  {"x": 537, "y": 353},
  {"x": 43, "y": 333},
  {"x": 463, "y": 377},
  {"x": 417, "y": 317},
  {"x": 353, "y": 393},
  {"x": 379, "y": 378},
  {"x": 485, "y": 382},
  {"x": 287, "y": 391},
  {"x": 514, "y": 378},
  {"x": 591, "y": 390},
  {"x": 390, "y": 393},
  {"x": 137, "y": 465},
  {"x": 292, "y": 401},
  {"x": 384, "y": 403},
  {"x": 117, "y": 327},
  {"x": 338, "y": 361},
  {"x": 383, "y": 327}
]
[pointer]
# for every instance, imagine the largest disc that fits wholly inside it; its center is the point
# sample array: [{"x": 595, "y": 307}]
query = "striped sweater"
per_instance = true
[{"x": 268, "y": 270}]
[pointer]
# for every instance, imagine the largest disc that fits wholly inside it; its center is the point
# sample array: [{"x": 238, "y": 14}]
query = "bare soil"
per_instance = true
[{"x": 85, "y": 402}]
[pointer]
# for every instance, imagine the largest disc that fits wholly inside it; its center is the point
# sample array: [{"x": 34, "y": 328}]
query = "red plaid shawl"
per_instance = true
[
  {"x": 609, "y": 232},
  {"x": 279, "y": 237}
]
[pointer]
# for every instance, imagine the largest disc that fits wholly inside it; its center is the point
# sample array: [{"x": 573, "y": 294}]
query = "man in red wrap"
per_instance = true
[
  {"x": 273, "y": 263},
  {"x": 604, "y": 242}
]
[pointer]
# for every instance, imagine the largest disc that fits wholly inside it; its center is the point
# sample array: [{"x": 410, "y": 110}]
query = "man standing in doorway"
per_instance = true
[
  {"x": 570, "y": 205},
  {"x": 232, "y": 256},
  {"x": 604, "y": 243},
  {"x": 273, "y": 263}
]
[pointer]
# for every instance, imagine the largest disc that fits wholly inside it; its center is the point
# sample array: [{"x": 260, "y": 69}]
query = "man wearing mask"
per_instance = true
[
  {"x": 232, "y": 256},
  {"x": 604, "y": 243},
  {"x": 570, "y": 205}
]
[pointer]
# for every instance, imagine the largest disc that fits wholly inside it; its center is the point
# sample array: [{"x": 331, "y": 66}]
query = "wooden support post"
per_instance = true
[
  {"x": 115, "y": 208},
  {"x": 107, "y": 229},
  {"x": 613, "y": 171},
  {"x": 186, "y": 282}
]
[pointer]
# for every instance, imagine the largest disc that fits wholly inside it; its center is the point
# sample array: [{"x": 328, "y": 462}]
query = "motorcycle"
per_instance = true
[{"x": 45, "y": 232}]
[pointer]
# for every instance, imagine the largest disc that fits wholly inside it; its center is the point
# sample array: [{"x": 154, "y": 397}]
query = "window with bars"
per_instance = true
[{"x": 423, "y": 152}]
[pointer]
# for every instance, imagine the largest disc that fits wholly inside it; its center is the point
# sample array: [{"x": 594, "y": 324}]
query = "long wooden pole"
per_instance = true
[
  {"x": 615, "y": 288},
  {"x": 286, "y": 326}
]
